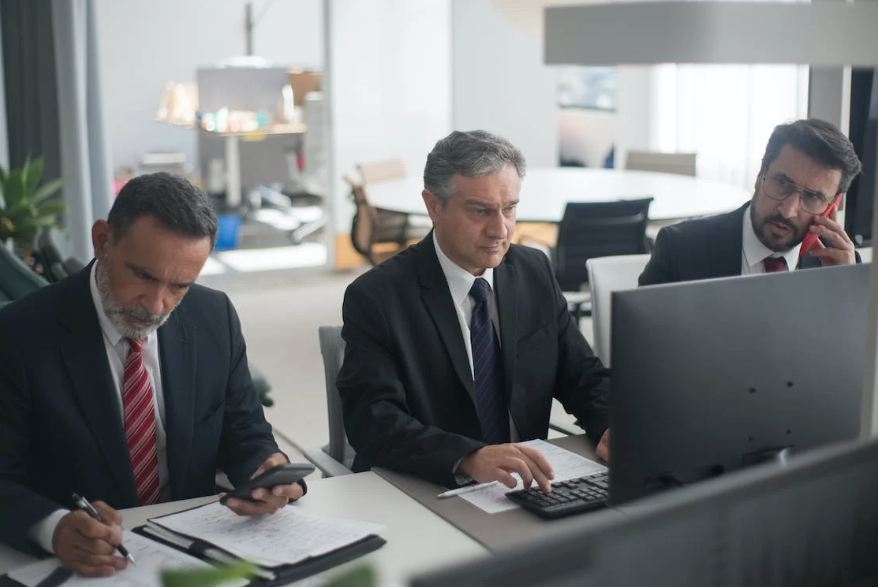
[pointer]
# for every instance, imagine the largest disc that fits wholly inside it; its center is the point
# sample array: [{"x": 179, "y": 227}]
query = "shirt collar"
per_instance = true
[
  {"x": 107, "y": 327},
  {"x": 755, "y": 252},
  {"x": 460, "y": 281}
]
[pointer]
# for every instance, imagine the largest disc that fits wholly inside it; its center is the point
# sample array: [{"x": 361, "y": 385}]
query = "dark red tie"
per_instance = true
[
  {"x": 774, "y": 264},
  {"x": 140, "y": 425}
]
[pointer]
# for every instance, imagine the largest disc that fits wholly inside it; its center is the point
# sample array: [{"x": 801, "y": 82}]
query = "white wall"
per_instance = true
[
  {"x": 500, "y": 82},
  {"x": 143, "y": 45},
  {"x": 390, "y": 93},
  {"x": 586, "y": 135}
]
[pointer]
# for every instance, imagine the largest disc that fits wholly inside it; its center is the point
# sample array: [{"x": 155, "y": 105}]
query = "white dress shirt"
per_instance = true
[
  {"x": 117, "y": 351},
  {"x": 754, "y": 252},
  {"x": 460, "y": 282}
]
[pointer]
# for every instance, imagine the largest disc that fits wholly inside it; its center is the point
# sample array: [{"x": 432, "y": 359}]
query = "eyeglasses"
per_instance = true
[{"x": 779, "y": 189}]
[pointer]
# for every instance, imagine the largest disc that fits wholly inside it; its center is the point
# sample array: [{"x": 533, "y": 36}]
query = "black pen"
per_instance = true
[{"x": 83, "y": 504}]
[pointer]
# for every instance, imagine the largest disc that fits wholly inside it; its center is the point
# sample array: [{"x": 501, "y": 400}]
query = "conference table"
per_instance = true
[
  {"x": 546, "y": 191},
  {"x": 417, "y": 539}
]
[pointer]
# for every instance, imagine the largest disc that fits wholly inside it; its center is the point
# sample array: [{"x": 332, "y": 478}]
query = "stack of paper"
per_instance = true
[{"x": 287, "y": 537}]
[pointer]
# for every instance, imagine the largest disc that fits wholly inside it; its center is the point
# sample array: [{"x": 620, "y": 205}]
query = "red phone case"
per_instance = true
[{"x": 811, "y": 238}]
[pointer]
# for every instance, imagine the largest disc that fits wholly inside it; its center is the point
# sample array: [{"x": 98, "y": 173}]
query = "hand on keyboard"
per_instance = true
[
  {"x": 497, "y": 463},
  {"x": 569, "y": 497}
]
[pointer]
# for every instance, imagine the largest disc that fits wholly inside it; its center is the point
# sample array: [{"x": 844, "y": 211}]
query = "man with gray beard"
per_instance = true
[{"x": 128, "y": 384}]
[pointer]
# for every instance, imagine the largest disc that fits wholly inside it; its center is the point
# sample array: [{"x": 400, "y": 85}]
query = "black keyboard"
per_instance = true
[{"x": 567, "y": 497}]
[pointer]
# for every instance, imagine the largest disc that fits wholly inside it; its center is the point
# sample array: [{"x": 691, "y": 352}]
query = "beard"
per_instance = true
[
  {"x": 776, "y": 244},
  {"x": 117, "y": 312}
]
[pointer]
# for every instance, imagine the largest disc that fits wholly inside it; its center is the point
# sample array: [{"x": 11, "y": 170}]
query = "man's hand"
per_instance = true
[
  {"x": 603, "y": 450},
  {"x": 87, "y": 547},
  {"x": 269, "y": 500},
  {"x": 497, "y": 462},
  {"x": 842, "y": 250}
]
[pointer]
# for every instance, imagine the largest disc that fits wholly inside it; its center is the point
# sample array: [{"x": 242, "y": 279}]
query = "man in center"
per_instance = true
[{"x": 457, "y": 346}]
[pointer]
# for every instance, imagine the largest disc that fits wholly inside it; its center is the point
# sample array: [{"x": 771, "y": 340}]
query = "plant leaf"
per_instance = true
[
  {"x": 54, "y": 208},
  {"x": 46, "y": 190},
  {"x": 13, "y": 191},
  {"x": 205, "y": 577},
  {"x": 33, "y": 173}
]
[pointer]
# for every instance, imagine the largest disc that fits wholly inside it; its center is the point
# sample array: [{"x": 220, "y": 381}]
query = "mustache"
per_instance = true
[
  {"x": 139, "y": 313},
  {"x": 781, "y": 220}
]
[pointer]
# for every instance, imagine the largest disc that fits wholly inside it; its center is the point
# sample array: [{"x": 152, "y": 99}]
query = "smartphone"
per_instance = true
[
  {"x": 811, "y": 238},
  {"x": 285, "y": 474}
]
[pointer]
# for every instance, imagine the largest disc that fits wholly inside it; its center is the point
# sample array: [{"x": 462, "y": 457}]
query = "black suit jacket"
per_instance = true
[
  {"x": 702, "y": 249},
  {"x": 406, "y": 385},
  {"x": 60, "y": 425}
]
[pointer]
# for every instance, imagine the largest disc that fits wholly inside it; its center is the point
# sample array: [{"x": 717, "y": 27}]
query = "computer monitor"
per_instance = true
[
  {"x": 812, "y": 522},
  {"x": 713, "y": 375}
]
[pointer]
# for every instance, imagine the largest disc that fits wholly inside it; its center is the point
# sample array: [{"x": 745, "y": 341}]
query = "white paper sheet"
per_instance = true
[
  {"x": 151, "y": 557},
  {"x": 288, "y": 536},
  {"x": 565, "y": 464}
]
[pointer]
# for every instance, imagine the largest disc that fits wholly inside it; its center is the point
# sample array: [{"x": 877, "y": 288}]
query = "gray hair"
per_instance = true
[{"x": 471, "y": 154}]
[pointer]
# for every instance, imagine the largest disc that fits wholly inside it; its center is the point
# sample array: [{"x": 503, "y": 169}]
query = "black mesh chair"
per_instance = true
[{"x": 596, "y": 229}]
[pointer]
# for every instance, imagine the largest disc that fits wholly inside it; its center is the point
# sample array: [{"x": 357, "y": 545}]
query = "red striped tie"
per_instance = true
[{"x": 140, "y": 425}]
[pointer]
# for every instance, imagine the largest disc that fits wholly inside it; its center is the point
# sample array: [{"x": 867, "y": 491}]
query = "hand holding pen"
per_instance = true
[
  {"x": 86, "y": 544},
  {"x": 83, "y": 504}
]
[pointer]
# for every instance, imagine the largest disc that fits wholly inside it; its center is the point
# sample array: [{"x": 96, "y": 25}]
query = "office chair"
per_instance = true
[
  {"x": 17, "y": 279},
  {"x": 337, "y": 457},
  {"x": 676, "y": 163},
  {"x": 596, "y": 229},
  {"x": 606, "y": 275},
  {"x": 55, "y": 267},
  {"x": 378, "y": 234}
]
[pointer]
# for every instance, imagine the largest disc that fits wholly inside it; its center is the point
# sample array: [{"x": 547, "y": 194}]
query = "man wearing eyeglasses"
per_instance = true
[{"x": 807, "y": 167}]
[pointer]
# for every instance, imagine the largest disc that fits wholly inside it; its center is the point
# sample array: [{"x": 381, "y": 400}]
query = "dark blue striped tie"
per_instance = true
[{"x": 487, "y": 368}]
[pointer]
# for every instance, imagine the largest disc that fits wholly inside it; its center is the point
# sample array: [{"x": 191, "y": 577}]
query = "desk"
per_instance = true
[
  {"x": 417, "y": 540},
  {"x": 496, "y": 531},
  {"x": 545, "y": 192}
]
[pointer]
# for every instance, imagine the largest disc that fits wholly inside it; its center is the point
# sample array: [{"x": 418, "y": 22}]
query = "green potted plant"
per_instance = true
[{"x": 25, "y": 204}]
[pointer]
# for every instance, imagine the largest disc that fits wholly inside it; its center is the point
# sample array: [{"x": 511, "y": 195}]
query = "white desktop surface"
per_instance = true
[
  {"x": 545, "y": 192},
  {"x": 417, "y": 539}
]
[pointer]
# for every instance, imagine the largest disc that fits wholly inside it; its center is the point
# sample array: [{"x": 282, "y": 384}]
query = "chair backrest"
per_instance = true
[
  {"x": 376, "y": 171},
  {"x": 17, "y": 279},
  {"x": 678, "y": 163},
  {"x": 606, "y": 275},
  {"x": 332, "y": 349},
  {"x": 597, "y": 229}
]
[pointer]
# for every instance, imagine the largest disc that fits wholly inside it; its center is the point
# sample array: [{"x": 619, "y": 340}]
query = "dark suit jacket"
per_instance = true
[
  {"x": 60, "y": 425},
  {"x": 702, "y": 249},
  {"x": 406, "y": 385}
]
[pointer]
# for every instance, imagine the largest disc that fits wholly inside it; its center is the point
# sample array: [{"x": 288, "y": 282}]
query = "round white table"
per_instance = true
[{"x": 545, "y": 192}]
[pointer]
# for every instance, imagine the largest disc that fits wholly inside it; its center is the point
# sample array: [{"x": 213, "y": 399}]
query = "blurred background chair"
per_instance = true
[
  {"x": 677, "y": 163},
  {"x": 48, "y": 254},
  {"x": 596, "y": 229},
  {"x": 606, "y": 275},
  {"x": 337, "y": 457},
  {"x": 16, "y": 279},
  {"x": 378, "y": 234}
]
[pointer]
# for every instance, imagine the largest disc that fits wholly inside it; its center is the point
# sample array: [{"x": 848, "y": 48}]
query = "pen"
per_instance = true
[
  {"x": 83, "y": 504},
  {"x": 466, "y": 489}
]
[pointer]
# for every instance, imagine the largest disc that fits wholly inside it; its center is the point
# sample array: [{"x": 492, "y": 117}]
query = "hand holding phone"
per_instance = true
[
  {"x": 285, "y": 474},
  {"x": 811, "y": 238}
]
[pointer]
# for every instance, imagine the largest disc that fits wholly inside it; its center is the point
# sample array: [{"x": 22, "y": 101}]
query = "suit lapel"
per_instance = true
[
  {"x": 507, "y": 311},
  {"x": 437, "y": 299},
  {"x": 726, "y": 243},
  {"x": 85, "y": 356},
  {"x": 177, "y": 356}
]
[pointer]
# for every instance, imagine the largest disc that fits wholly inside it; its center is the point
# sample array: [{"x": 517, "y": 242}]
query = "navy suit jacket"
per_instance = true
[
  {"x": 703, "y": 248},
  {"x": 406, "y": 385},
  {"x": 61, "y": 429}
]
